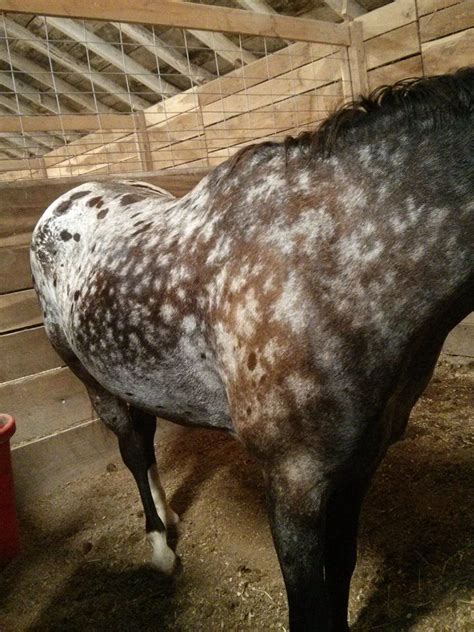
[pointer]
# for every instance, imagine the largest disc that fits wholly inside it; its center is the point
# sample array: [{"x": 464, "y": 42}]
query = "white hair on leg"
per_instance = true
[
  {"x": 167, "y": 515},
  {"x": 163, "y": 558}
]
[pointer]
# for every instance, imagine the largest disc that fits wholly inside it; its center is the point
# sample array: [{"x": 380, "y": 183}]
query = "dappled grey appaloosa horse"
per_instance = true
[{"x": 297, "y": 298}]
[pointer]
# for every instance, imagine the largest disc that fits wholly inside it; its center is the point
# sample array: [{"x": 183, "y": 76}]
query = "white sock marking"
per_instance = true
[
  {"x": 163, "y": 558},
  {"x": 167, "y": 515}
]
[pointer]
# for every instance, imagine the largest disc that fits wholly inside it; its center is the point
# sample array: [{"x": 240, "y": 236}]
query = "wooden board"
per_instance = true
[
  {"x": 45, "y": 403},
  {"x": 26, "y": 352},
  {"x": 386, "y": 18},
  {"x": 389, "y": 47},
  {"x": 188, "y": 16},
  {"x": 53, "y": 461},
  {"x": 15, "y": 272},
  {"x": 447, "y": 21},
  {"x": 449, "y": 53},
  {"x": 19, "y": 310},
  {"x": 411, "y": 67},
  {"x": 430, "y": 6}
]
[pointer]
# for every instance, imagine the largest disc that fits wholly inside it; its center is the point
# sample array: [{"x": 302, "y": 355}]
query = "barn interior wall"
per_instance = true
[{"x": 406, "y": 38}]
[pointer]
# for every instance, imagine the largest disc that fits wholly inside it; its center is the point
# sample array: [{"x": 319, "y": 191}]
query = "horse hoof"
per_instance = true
[{"x": 163, "y": 559}]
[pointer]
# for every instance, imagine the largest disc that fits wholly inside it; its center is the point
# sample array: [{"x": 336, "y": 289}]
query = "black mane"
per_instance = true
[{"x": 419, "y": 103}]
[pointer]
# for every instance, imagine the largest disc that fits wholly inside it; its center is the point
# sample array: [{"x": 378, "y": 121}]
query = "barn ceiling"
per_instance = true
[{"x": 66, "y": 66}]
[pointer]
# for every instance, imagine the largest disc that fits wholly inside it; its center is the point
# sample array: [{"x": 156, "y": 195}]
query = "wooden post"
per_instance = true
[
  {"x": 144, "y": 147},
  {"x": 346, "y": 75},
  {"x": 357, "y": 62},
  {"x": 43, "y": 171}
]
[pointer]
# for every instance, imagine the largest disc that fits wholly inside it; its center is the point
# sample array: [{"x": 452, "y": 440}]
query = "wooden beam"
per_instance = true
[
  {"x": 259, "y": 6},
  {"x": 357, "y": 61},
  {"x": 346, "y": 8},
  {"x": 143, "y": 142},
  {"x": 166, "y": 53},
  {"x": 73, "y": 122},
  {"x": 32, "y": 94},
  {"x": 21, "y": 143},
  {"x": 12, "y": 151},
  {"x": 188, "y": 16},
  {"x": 224, "y": 47},
  {"x": 64, "y": 59},
  {"x": 117, "y": 58},
  {"x": 44, "y": 76},
  {"x": 10, "y": 104}
]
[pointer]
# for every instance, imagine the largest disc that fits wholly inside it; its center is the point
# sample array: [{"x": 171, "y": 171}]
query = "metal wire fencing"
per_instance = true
[{"x": 82, "y": 97}]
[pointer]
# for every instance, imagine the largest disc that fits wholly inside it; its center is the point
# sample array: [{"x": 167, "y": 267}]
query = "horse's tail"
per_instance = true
[{"x": 149, "y": 187}]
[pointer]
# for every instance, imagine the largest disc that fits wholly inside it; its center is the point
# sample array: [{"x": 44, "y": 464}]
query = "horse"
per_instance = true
[{"x": 297, "y": 298}]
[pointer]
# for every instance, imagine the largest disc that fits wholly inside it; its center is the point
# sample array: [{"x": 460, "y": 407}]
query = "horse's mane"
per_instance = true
[{"x": 419, "y": 103}]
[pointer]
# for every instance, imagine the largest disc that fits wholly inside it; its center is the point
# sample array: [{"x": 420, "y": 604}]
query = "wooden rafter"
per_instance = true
[
  {"x": 346, "y": 8},
  {"x": 11, "y": 150},
  {"x": 31, "y": 94},
  {"x": 188, "y": 16},
  {"x": 259, "y": 6},
  {"x": 164, "y": 52},
  {"x": 44, "y": 76},
  {"x": 67, "y": 61},
  {"x": 117, "y": 58},
  {"x": 224, "y": 47},
  {"x": 22, "y": 143}
]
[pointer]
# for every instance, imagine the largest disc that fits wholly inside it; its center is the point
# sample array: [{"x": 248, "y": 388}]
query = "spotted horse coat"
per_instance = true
[{"x": 297, "y": 298}]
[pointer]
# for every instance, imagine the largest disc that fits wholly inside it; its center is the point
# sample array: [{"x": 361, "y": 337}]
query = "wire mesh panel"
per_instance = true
[{"x": 82, "y": 97}]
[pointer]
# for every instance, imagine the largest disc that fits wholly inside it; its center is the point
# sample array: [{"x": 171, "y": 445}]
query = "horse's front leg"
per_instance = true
[{"x": 296, "y": 505}]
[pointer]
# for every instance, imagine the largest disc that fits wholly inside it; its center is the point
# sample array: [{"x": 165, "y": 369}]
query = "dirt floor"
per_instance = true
[{"x": 85, "y": 561}]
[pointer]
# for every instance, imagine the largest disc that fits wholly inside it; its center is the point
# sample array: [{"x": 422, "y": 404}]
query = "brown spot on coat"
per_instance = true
[
  {"x": 96, "y": 201},
  {"x": 63, "y": 207},
  {"x": 101, "y": 214},
  {"x": 65, "y": 235},
  {"x": 77, "y": 294},
  {"x": 252, "y": 361},
  {"x": 130, "y": 198},
  {"x": 78, "y": 195},
  {"x": 76, "y": 236}
]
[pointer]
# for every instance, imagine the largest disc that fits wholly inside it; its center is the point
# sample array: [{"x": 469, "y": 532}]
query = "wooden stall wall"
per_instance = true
[{"x": 55, "y": 420}]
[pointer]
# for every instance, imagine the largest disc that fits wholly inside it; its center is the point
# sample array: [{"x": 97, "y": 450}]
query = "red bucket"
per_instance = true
[{"x": 9, "y": 536}]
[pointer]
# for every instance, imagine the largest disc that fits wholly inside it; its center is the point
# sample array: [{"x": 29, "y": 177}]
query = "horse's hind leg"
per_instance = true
[
  {"x": 145, "y": 425},
  {"x": 135, "y": 431}
]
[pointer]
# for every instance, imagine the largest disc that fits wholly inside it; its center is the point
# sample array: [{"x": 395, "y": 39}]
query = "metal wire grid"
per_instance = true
[{"x": 199, "y": 126}]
